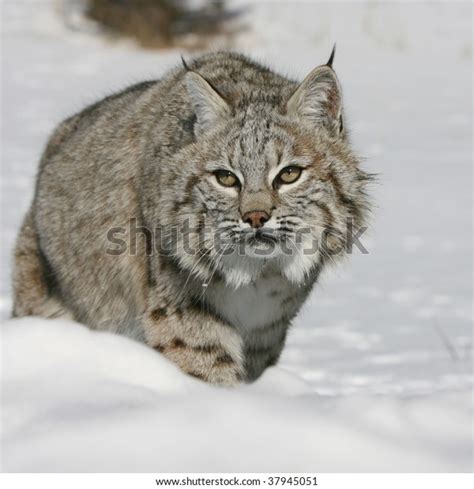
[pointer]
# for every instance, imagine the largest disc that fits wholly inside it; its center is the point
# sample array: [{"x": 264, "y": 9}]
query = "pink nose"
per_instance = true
[{"x": 256, "y": 218}]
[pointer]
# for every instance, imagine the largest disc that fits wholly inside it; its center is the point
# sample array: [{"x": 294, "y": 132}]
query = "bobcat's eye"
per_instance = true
[
  {"x": 227, "y": 178},
  {"x": 288, "y": 175}
]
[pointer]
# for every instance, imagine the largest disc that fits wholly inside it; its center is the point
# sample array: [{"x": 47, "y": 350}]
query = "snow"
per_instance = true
[
  {"x": 88, "y": 401},
  {"x": 377, "y": 373}
]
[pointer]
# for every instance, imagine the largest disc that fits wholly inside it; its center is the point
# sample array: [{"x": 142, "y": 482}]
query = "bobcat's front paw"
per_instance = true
[{"x": 209, "y": 362}]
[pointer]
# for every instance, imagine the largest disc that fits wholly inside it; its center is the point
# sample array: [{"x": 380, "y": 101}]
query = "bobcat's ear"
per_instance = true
[
  {"x": 209, "y": 106},
  {"x": 319, "y": 99}
]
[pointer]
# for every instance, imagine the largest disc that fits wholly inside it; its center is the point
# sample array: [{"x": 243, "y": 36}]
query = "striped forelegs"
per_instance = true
[{"x": 200, "y": 344}]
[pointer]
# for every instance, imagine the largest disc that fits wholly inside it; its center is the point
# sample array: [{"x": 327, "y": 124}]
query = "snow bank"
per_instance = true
[{"x": 78, "y": 400}]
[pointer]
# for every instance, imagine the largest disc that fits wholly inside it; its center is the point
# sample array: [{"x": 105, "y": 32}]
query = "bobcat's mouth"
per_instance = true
[
  {"x": 261, "y": 242},
  {"x": 265, "y": 236}
]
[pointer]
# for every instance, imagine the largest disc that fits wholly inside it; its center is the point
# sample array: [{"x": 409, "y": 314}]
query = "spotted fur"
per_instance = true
[{"x": 147, "y": 156}]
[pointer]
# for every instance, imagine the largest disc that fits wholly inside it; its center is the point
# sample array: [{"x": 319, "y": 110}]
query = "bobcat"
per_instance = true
[{"x": 218, "y": 179}]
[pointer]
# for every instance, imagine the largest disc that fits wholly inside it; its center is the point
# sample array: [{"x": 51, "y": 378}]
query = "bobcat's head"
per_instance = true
[{"x": 270, "y": 180}]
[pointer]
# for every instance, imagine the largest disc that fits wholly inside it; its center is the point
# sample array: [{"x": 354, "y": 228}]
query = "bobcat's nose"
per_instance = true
[{"x": 256, "y": 219}]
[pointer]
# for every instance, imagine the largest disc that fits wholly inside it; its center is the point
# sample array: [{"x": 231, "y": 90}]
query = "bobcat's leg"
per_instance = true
[
  {"x": 31, "y": 291},
  {"x": 199, "y": 343}
]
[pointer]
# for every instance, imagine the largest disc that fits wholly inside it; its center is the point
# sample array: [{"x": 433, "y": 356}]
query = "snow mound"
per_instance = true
[{"x": 79, "y": 400}]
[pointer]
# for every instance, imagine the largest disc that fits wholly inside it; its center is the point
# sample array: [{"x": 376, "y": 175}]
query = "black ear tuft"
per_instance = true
[
  {"x": 185, "y": 65},
  {"x": 331, "y": 58}
]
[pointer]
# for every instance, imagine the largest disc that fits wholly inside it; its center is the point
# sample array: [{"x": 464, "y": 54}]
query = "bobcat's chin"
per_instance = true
[{"x": 241, "y": 270}]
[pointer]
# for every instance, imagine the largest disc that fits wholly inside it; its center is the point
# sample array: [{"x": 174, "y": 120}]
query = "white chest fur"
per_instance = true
[{"x": 252, "y": 306}]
